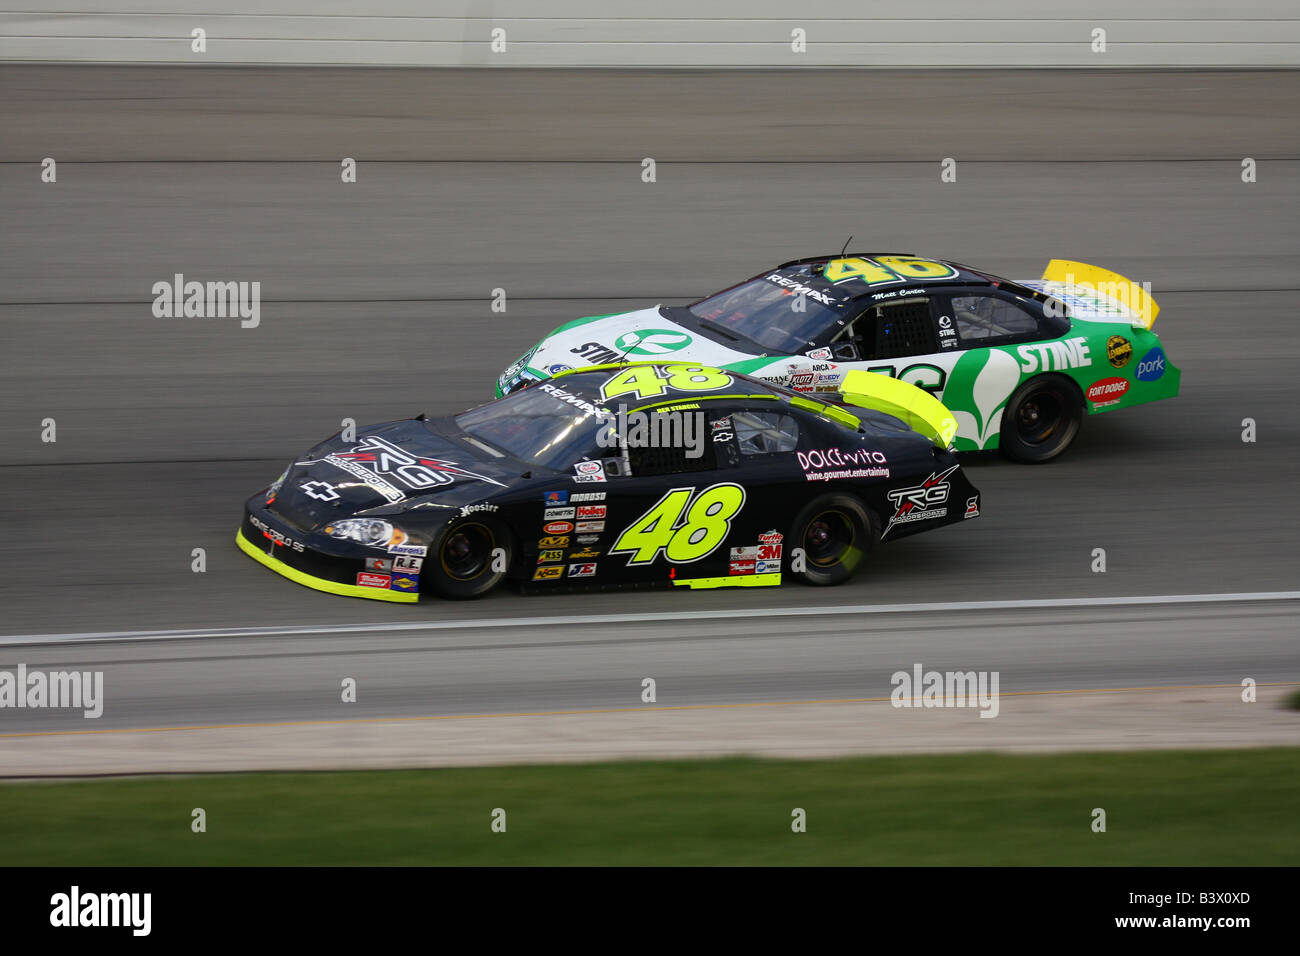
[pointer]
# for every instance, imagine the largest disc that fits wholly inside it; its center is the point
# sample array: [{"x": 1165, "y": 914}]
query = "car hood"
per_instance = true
[
  {"x": 643, "y": 336},
  {"x": 394, "y": 468}
]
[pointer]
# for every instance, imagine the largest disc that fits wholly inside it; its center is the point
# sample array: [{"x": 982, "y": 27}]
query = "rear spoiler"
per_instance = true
[
  {"x": 917, "y": 407},
  {"x": 1097, "y": 293}
]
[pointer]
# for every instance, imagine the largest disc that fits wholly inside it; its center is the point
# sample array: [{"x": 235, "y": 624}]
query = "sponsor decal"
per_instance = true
[
  {"x": 379, "y": 564},
  {"x": 406, "y": 582},
  {"x": 368, "y": 580},
  {"x": 766, "y": 567},
  {"x": 588, "y": 471},
  {"x": 552, "y": 513},
  {"x": 570, "y": 399},
  {"x": 376, "y": 461},
  {"x": 407, "y": 564},
  {"x": 1119, "y": 351},
  {"x": 920, "y": 502},
  {"x": 320, "y": 490},
  {"x": 1054, "y": 356},
  {"x": 1152, "y": 366},
  {"x": 745, "y": 553},
  {"x": 467, "y": 510},
  {"x": 802, "y": 379},
  {"x": 557, "y": 369},
  {"x": 1108, "y": 391},
  {"x": 579, "y": 496},
  {"x": 769, "y": 552},
  {"x": 651, "y": 342},
  {"x": 591, "y": 511},
  {"x": 721, "y": 429},
  {"x": 771, "y": 537},
  {"x": 795, "y": 287},
  {"x": 587, "y": 539},
  {"x": 550, "y": 557},
  {"x": 549, "y": 573},
  {"x": 415, "y": 550},
  {"x": 272, "y": 491},
  {"x": 275, "y": 537},
  {"x": 972, "y": 507},
  {"x": 741, "y": 567},
  {"x": 555, "y": 497},
  {"x": 584, "y": 554},
  {"x": 553, "y": 543},
  {"x": 830, "y": 463},
  {"x": 582, "y": 570},
  {"x": 558, "y": 527},
  {"x": 590, "y": 526},
  {"x": 819, "y": 354}
]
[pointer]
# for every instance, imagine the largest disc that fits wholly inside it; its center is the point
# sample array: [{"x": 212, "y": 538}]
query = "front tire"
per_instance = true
[
  {"x": 1041, "y": 420},
  {"x": 835, "y": 533},
  {"x": 463, "y": 562}
]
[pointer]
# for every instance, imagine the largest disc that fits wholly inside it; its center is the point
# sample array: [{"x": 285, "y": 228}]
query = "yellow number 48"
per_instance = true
[{"x": 684, "y": 529}]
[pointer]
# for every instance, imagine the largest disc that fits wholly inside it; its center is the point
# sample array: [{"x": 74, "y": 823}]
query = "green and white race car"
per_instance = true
[{"x": 1017, "y": 362}]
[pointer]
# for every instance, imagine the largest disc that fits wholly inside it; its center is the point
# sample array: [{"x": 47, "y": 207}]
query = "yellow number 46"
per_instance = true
[{"x": 685, "y": 529}]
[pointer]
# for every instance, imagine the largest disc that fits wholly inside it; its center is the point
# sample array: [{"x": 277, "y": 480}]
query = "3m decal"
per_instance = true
[{"x": 682, "y": 525}]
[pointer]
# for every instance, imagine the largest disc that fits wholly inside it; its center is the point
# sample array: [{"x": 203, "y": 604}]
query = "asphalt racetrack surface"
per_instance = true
[{"x": 376, "y": 306}]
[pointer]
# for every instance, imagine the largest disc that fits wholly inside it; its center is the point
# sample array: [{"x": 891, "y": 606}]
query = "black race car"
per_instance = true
[{"x": 631, "y": 474}]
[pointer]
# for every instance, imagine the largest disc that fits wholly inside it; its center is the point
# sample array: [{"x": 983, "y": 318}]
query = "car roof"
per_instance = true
[{"x": 586, "y": 383}]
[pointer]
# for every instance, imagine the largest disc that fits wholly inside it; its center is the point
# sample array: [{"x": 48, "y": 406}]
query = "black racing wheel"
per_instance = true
[
  {"x": 835, "y": 534},
  {"x": 1041, "y": 419}
]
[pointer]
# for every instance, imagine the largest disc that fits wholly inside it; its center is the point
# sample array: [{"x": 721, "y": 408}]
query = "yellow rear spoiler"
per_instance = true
[
  {"x": 1131, "y": 296},
  {"x": 917, "y": 407}
]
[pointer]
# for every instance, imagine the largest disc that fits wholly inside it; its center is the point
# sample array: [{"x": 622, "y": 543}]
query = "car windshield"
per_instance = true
[
  {"x": 783, "y": 311},
  {"x": 543, "y": 425}
]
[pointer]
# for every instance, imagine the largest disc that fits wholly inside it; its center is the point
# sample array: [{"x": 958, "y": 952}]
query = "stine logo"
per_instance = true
[
  {"x": 74, "y": 909},
  {"x": 179, "y": 299}
]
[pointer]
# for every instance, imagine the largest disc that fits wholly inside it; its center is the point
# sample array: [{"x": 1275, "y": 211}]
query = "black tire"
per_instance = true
[
  {"x": 835, "y": 533},
  {"x": 459, "y": 564},
  {"x": 1041, "y": 419}
]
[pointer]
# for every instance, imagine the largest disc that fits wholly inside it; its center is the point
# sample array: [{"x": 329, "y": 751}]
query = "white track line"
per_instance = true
[{"x": 189, "y": 634}]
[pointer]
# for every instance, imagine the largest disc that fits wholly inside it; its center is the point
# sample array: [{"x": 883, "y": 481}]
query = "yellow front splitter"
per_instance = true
[
  {"x": 733, "y": 581},
  {"x": 319, "y": 584}
]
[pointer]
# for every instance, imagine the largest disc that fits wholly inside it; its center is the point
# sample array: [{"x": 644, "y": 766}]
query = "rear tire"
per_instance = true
[
  {"x": 1041, "y": 419},
  {"x": 460, "y": 563},
  {"x": 835, "y": 533}
]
